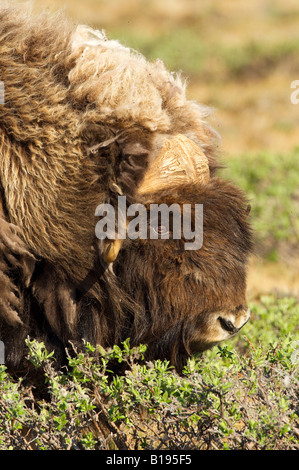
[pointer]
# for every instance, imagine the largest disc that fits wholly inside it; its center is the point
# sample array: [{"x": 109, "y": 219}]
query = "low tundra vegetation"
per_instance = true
[{"x": 241, "y": 395}]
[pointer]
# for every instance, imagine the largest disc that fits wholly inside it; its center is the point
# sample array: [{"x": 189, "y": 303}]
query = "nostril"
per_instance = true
[{"x": 227, "y": 325}]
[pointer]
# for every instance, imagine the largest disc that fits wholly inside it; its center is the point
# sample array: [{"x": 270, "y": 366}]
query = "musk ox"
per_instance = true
[{"x": 83, "y": 121}]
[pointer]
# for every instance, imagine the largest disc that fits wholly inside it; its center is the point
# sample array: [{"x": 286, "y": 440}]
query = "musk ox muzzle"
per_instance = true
[{"x": 218, "y": 327}]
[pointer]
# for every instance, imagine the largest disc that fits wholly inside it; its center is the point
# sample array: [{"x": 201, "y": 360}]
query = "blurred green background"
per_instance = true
[{"x": 240, "y": 58}]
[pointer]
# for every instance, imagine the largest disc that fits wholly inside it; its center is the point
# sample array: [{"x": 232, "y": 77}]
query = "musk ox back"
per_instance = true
[{"x": 85, "y": 121}]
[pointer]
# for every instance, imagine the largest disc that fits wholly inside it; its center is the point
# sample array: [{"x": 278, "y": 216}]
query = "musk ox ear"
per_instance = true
[{"x": 179, "y": 161}]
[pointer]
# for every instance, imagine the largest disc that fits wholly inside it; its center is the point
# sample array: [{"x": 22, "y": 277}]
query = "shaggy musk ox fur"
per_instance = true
[{"x": 84, "y": 121}]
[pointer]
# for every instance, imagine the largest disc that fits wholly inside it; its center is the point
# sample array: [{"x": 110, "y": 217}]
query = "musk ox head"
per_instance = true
[
  {"x": 191, "y": 293},
  {"x": 84, "y": 122}
]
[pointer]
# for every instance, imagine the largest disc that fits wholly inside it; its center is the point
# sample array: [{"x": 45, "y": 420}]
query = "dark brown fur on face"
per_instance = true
[{"x": 179, "y": 289}]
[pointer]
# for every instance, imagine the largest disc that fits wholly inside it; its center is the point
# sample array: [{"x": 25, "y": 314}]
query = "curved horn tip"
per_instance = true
[{"x": 180, "y": 161}]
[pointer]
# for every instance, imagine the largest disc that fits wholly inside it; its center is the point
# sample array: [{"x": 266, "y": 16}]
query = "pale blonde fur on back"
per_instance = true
[{"x": 125, "y": 87}]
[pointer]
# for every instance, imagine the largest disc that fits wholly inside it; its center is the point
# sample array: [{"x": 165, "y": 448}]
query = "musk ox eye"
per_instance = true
[{"x": 161, "y": 230}]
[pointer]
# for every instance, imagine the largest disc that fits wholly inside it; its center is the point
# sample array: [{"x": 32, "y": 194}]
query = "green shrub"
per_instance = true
[{"x": 242, "y": 395}]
